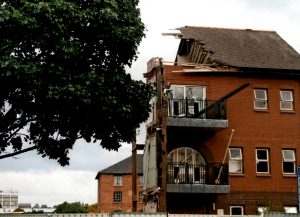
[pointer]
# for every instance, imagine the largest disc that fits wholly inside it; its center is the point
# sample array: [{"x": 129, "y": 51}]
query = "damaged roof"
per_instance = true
[
  {"x": 124, "y": 167},
  {"x": 242, "y": 48}
]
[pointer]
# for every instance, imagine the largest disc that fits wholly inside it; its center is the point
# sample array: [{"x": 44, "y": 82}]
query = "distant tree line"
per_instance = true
[
  {"x": 75, "y": 207},
  {"x": 65, "y": 207}
]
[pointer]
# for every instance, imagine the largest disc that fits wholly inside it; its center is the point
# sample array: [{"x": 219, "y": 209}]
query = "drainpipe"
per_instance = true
[
  {"x": 135, "y": 147},
  {"x": 133, "y": 161}
]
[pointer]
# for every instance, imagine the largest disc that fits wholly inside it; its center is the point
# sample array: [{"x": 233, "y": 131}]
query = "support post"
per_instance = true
[
  {"x": 217, "y": 181},
  {"x": 134, "y": 176}
]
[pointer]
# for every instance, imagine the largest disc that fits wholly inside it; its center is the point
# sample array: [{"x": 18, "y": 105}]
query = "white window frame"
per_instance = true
[
  {"x": 118, "y": 197},
  {"x": 288, "y": 101},
  {"x": 261, "y": 210},
  {"x": 235, "y": 160},
  {"x": 234, "y": 207},
  {"x": 184, "y": 88},
  {"x": 290, "y": 209},
  {"x": 262, "y": 160},
  {"x": 258, "y": 99},
  {"x": 141, "y": 180},
  {"x": 285, "y": 159},
  {"x": 118, "y": 180}
]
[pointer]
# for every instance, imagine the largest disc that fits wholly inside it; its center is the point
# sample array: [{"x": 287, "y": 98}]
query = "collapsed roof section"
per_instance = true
[{"x": 235, "y": 48}]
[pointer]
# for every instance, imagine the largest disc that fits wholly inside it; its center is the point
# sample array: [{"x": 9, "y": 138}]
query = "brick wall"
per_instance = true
[
  {"x": 106, "y": 191},
  {"x": 271, "y": 129}
]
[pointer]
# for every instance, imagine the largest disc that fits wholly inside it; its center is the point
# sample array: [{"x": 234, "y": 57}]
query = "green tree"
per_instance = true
[
  {"x": 62, "y": 75},
  {"x": 36, "y": 211},
  {"x": 93, "y": 208},
  {"x": 75, "y": 207}
]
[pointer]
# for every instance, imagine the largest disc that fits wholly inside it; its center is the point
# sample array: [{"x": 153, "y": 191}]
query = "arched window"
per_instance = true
[
  {"x": 186, "y": 155},
  {"x": 186, "y": 165}
]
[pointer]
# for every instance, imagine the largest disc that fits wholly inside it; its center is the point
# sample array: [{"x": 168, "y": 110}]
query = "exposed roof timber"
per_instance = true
[
  {"x": 176, "y": 35},
  {"x": 193, "y": 51},
  {"x": 197, "y": 53},
  {"x": 187, "y": 64},
  {"x": 195, "y": 70}
]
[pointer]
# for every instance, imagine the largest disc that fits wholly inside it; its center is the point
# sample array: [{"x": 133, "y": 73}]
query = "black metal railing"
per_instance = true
[
  {"x": 184, "y": 173},
  {"x": 191, "y": 108}
]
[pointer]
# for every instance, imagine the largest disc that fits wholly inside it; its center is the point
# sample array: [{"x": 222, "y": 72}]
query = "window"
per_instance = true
[
  {"x": 290, "y": 209},
  {"x": 235, "y": 160},
  {"x": 141, "y": 196},
  {"x": 179, "y": 95},
  {"x": 286, "y": 100},
  {"x": 262, "y": 160},
  {"x": 186, "y": 165},
  {"x": 117, "y": 197},
  {"x": 261, "y": 210},
  {"x": 236, "y": 210},
  {"x": 260, "y": 99},
  {"x": 118, "y": 181},
  {"x": 141, "y": 180},
  {"x": 288, "y": 161}
]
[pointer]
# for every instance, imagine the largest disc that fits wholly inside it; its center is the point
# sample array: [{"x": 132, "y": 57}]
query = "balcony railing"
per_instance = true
[
  {"x": 184, "y": 173},
  {"x": 191, "y": 108}
]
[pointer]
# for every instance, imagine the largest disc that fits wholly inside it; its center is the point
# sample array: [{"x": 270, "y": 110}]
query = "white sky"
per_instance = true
[{"x": 43, "y": 181}]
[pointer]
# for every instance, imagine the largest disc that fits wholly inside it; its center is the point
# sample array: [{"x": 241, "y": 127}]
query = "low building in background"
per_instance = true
[
  {"x": 25, "y": 206},
  {"x": 115, "y": 186},
  {"x": 8, "y": 201}
]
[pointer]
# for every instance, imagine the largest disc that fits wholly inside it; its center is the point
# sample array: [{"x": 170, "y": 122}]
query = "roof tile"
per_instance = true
[
  {"x": 124, "y": 167},
  {"x": 245, "y": 48}
]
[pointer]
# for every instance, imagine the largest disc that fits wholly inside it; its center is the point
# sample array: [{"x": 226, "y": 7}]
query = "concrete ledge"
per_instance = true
[
  {"x": 198, "y": 188},
  {"x": 196, "y": 122}
]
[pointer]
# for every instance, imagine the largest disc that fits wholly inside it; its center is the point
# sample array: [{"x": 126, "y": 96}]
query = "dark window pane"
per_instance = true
[
  {"x": 236, "y": 211},
  {"x": 262, "y": 167},
  {"x": 288, "y": 167},
  {"x": 197, "y": 174},
  {"x": 262, "y": 154}
]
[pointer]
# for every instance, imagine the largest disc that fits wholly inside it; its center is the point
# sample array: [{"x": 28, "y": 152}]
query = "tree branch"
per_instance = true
[{"x": 18, "y": 152}]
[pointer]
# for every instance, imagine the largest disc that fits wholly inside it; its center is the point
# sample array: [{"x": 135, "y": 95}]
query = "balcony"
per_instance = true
[
  {"x": 197, "y": 113},
  {"x": 188, "y": 178}
]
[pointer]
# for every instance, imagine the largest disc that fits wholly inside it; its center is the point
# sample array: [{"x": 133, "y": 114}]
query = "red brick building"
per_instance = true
[
  {"x": 224, "y": 132},
  {"x": 115, "y": 186}
]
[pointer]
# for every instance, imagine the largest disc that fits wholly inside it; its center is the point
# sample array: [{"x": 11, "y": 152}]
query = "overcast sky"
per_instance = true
[{"x": 43, "y": 181}]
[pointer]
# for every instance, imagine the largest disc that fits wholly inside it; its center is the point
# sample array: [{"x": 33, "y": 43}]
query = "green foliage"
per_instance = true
[
  {"x": 36, "y": 211},
  {"x": 93, "y": 208},
  {"x": 62, "y": 74},
  {"x": 75, "y": 207}
]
